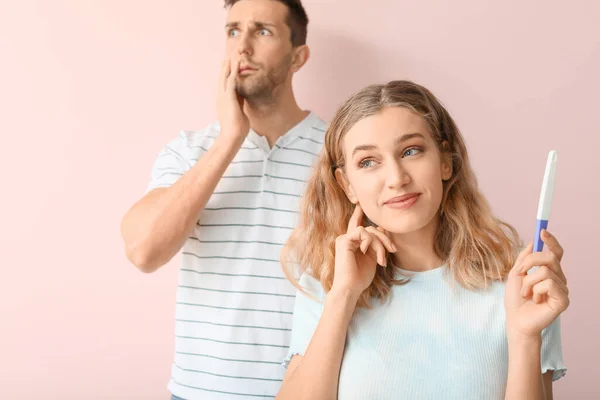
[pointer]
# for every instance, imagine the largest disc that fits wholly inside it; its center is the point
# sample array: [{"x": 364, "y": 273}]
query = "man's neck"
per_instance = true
[
  {"x": 275, "y": 118},
  {"x": 416, "y": 250}
]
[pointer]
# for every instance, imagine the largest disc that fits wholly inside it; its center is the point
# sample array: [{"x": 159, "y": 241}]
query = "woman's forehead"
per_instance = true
[{"x": 385, "y": 127}]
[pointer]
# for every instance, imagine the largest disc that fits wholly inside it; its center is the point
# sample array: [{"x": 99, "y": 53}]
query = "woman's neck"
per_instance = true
[{"x": 416, "y": 250}]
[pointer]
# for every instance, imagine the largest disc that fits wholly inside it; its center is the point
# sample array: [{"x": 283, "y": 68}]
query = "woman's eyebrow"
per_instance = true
[{"x": 399, "y": 140}]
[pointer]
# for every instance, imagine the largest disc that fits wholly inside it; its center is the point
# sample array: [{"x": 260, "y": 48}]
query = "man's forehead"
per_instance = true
[{"x": 258, "y": 11}]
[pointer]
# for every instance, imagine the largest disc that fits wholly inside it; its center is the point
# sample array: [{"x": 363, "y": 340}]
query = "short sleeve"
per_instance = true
[
  {"x": 170, "y": 164},
  {"x": 307, "y": 313},
  {"x": 552, "y": 359}
]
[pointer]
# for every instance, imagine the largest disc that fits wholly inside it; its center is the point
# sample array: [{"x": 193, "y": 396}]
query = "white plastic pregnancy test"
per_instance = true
[{"x": 545, "y": 204}]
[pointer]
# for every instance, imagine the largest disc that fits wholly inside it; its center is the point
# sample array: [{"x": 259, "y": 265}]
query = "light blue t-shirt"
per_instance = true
[{"x": 433, "y": 340}]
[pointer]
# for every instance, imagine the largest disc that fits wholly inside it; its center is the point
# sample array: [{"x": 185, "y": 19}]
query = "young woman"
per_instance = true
[{"x": 411, "y": 288}]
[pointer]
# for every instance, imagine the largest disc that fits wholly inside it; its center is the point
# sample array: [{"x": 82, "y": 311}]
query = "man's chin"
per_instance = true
[{"x": 253, "y": 93}]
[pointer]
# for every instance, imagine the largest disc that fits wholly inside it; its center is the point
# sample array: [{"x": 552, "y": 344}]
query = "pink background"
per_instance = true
[{"x": 91, "y": 90}]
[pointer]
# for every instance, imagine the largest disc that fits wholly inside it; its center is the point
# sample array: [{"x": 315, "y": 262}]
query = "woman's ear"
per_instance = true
[
  {"x": 342, "y": 179},
  {"x": 446, "y": 164}
]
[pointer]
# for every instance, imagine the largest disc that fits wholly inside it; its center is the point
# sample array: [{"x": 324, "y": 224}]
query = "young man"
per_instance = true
[{"x": 229, "y": 195}]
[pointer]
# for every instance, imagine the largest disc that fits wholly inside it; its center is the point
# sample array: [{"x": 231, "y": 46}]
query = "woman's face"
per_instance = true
[{"x": 394, "y": 170}]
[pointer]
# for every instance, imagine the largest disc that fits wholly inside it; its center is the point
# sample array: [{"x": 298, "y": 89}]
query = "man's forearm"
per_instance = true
[{"x": 156, "y": 227}]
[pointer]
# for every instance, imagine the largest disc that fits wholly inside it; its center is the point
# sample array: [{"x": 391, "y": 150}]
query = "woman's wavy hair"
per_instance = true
[{"x": 476, "y": 247}]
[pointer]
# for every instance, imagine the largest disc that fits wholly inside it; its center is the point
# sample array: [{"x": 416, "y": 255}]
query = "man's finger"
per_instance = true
[
  {"x": 233, "y": 74},
  {"x": 225, "y": 68}
]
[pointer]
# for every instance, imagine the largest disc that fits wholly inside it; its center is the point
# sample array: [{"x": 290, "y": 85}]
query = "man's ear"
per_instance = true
[
  {"x": 301, "y": 54},
  {"x": 446, "y": 165},
  {"x": 342, "y": 179}
]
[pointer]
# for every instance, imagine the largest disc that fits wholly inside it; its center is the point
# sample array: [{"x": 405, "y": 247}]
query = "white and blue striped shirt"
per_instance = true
[{"x": 234, "y": 305}]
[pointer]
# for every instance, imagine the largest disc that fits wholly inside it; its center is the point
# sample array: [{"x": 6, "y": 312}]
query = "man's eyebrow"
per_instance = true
[
  {"x": 260, "y": 24},
  {"x": 257, "y": 24}
]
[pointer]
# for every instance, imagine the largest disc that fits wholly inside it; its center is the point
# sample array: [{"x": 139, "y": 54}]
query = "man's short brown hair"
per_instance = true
[{"x": 297, "y": 19}]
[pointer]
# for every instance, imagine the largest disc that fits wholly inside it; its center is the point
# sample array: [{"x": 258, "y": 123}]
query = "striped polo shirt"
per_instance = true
[{"x": 234, "y": 306}]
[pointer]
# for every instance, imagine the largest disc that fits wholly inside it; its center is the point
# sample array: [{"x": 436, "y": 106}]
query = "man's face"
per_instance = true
[{"x": 258, "y": 34}]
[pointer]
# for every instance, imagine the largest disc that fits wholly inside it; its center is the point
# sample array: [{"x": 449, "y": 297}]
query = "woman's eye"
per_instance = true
[
  {"x": 366, "y": 163},
  {"x": 412, "y": 151}
]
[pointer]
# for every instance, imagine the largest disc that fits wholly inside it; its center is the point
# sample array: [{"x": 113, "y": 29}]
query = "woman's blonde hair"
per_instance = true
[{"x": 476, "y": 247}]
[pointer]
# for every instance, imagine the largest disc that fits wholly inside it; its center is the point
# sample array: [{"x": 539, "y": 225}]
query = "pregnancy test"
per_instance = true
[{"x": 545, "y": 204}]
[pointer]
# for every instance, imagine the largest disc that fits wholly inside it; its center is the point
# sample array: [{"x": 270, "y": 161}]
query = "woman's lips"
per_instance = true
[{"x": 403, "y": 202}]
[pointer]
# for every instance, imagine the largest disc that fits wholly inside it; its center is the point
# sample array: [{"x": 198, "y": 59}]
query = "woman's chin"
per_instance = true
[{"x": 405, "y": 227}]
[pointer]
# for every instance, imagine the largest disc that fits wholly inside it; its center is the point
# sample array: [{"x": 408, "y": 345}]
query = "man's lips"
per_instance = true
[{"x": 246, "y": 68}]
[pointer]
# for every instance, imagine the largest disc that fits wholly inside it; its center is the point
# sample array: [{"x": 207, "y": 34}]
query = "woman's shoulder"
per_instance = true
[{"x": 311, "y": 285}]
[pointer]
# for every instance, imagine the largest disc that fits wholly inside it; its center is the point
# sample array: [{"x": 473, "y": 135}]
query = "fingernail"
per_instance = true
[{"x": 394, "y": 248}]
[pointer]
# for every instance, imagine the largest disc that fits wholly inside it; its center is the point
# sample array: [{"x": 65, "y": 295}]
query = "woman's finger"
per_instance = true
[
  {"x": 356, "y": 218},
  {"x": 544, "y": 258},
  {"x": 377, "y": 251},
  {"x": 540, "y": 275},
  {"x": 551, "y": 290},
  {"x": 516, "y": 269},
  {"x": 361, "y": 238},
  {"x": 385, "y": 239},
  {"x": 368, "y": 244},
  {"x": 365, "y": 239},
  {"x": 553, "y": 245}
]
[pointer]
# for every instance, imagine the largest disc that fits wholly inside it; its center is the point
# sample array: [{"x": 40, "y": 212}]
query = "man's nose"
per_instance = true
[{"x": 244, "y": 45}]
